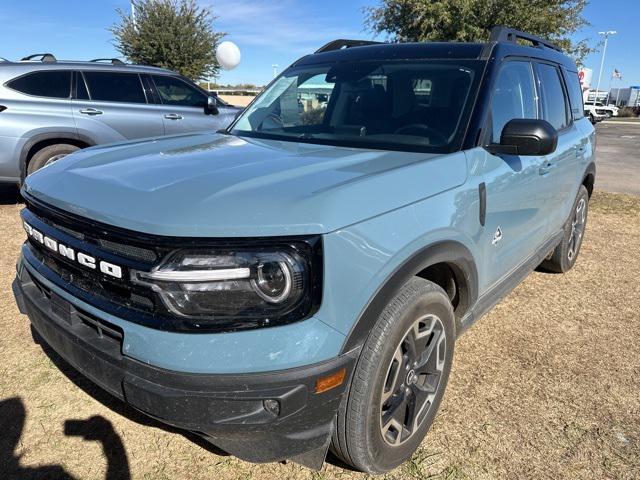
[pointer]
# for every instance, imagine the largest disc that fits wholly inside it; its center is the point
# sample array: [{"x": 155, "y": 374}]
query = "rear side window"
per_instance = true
[
  {"x": 81, "y": 88},
  {"x": 53, "y": 84},
  {"x": 554, "y": 103},
  {"x": 174, "y": 91},
  {"x": 514, "y": 96},
  {"x": 575, "y": 94},
  {"x": 115, "y": 87}
]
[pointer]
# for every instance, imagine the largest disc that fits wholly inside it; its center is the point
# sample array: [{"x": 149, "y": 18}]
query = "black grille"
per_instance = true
[
  {"x": 120, "y": 292},
  {"x": 129, "y": 251},
  {"x": 94, "y": 241}
]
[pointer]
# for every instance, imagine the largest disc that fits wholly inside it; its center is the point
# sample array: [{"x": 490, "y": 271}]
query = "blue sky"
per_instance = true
[{"x": 269, "y": 32}]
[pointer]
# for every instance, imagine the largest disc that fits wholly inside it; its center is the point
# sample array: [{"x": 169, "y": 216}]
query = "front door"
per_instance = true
[
  {"x": 518, "y": 191},
  {"x": 183, "y": 107}
]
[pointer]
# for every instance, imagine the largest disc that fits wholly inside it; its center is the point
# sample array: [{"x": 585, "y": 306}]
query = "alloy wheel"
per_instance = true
[
  {"x": 412, "y": 380},
  {"x": 577, "y": 228}
]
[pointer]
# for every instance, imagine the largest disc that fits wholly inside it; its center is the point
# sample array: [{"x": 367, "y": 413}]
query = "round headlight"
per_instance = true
[{"x": 273, "y": 282}]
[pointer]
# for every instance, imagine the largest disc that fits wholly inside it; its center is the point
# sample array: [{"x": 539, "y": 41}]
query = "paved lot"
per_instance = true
[{"x": 618, "y": 157}]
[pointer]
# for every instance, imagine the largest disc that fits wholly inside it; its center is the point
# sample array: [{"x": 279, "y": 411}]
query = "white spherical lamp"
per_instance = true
[{"x": 228, "y": 55}]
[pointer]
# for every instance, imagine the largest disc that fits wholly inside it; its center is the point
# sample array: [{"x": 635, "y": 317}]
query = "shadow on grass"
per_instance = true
[
  {"x": 114, "y": 403},
  {"x": 96, "y": 428}
]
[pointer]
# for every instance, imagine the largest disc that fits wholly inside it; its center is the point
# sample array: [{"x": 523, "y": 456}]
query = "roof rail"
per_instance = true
[
  {"x": 113, "y": 61},
  {"x": 44, "y": 57},
  {"x": 504, "y": 34},
  {"x": 342, "y": 43},
  {"x": 2, "y": 59}
]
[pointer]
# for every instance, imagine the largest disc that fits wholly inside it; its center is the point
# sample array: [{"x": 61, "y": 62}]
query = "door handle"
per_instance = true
[
  {"x": 173, "y": 116},
  {"x": 91, "y": 111}
]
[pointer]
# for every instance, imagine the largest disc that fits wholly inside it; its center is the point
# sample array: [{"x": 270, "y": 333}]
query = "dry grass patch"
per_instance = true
[{"x": 545, "y": 386}]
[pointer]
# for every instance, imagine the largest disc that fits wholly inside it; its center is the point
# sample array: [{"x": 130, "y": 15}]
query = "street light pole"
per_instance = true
[
  {"x": 133, "y": 13},
  {"x": 606, "y": 34}
]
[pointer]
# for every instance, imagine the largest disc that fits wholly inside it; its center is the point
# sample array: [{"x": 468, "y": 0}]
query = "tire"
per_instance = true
[
  {"x": 565, "y": 254},
  {"x": 49, "y": 154},
  {"x": 363, "y": 438}
]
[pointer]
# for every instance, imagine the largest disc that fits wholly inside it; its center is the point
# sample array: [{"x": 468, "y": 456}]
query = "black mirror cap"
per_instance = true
[
  {"x": 212, "y": 106},
  {"x": 529, "y": 136}
]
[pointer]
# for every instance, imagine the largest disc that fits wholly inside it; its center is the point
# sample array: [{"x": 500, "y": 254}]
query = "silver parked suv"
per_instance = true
[{"x": 50, "y": 108}]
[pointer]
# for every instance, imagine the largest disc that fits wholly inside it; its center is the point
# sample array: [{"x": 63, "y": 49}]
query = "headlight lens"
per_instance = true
[{"x": 262, "y": 284}]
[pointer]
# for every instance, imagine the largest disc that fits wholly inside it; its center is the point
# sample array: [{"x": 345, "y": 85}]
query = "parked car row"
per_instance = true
[
  {"x": 599, "y": 111},
  {"x": 50, "y": 108}
]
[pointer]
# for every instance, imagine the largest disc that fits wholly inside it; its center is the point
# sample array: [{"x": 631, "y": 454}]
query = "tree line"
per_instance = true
[{"x": 180, "y": 34}]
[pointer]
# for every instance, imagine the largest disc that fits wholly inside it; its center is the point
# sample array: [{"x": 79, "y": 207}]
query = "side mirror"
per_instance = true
[
  {"x": 212, "y": 106},
  {"x": 524, "y": 136}
]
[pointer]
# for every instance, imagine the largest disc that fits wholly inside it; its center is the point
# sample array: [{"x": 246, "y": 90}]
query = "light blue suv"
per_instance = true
[
  {"x": 298, "y": 282},
  {"x": 50, "y": 108}
]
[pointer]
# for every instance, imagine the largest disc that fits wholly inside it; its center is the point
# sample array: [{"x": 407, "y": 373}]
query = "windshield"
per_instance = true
[{"x": 398, "y": 105}]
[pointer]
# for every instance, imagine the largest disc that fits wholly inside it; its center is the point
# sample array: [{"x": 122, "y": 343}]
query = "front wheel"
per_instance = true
[{"x": 399, "y": 380}]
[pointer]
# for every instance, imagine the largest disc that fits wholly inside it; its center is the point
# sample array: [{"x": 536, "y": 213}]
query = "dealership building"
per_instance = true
[{"x": 625, "y": 97}]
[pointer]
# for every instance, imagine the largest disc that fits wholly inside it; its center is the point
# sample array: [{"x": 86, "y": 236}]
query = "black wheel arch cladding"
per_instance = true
[{"x": 454, "y": 254}]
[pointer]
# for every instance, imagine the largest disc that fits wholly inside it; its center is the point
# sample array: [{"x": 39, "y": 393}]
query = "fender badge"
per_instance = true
[{"x": 497, "y": 236}]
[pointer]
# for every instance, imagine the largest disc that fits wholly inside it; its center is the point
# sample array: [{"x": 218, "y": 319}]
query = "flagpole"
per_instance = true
[{"x": 609, "y": 90}]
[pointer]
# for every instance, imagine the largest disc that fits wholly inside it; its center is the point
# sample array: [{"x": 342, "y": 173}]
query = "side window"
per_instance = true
[
  {"x": 514, "y": 96},
  {"x": 174, "y": 91},
  {"x": 81, "y": 88},
  {"x": 575, "y": 94},
  {"x": 554, "y": 103},
  {"x": 52, "y": 84},
  {"x": 115, "y": 87}
]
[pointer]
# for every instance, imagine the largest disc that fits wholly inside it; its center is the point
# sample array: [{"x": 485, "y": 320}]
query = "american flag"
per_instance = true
[{"x": 616, "y": 74}]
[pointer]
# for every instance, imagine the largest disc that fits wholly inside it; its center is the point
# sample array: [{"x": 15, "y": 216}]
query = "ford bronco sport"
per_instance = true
[{"x": 297, "y": 282}]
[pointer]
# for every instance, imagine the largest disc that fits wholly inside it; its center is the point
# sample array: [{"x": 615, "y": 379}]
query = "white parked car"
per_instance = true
[
  {"x": 606, "y": 110},
  {"x": 594, "y": 113}
]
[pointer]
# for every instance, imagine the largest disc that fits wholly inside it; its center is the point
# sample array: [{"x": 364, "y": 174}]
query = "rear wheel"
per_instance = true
[
  {"x": 565, "y": 254},
  {"x": 399, "y": 380},
  {"x": 48, "y": 155}
]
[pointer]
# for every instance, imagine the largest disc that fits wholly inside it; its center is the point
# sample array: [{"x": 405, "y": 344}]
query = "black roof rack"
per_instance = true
[
  {"x": 113, "y": 61},
  {"x": 505, "y": 34},
  {"x": 2, "y": 59},
  {"x": 342, "y": 43},
  {"x": 44, "y": 57}
]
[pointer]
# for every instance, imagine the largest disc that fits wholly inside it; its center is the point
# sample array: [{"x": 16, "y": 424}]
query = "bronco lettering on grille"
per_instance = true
[{"x": 81, "y": 258}]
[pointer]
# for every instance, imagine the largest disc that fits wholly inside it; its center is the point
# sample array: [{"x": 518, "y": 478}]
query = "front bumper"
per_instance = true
[{"x": 227, "y": 409}]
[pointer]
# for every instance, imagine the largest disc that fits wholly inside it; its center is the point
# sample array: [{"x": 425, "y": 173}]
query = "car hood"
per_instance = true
[{"x": 214, "y": 185}]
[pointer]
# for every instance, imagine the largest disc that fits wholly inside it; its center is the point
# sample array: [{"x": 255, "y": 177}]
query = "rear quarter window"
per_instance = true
[
  {"x": 575, "y": 94},
  {"x": 554, "y": 103},
  {"x": 53, "y": 84}
]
